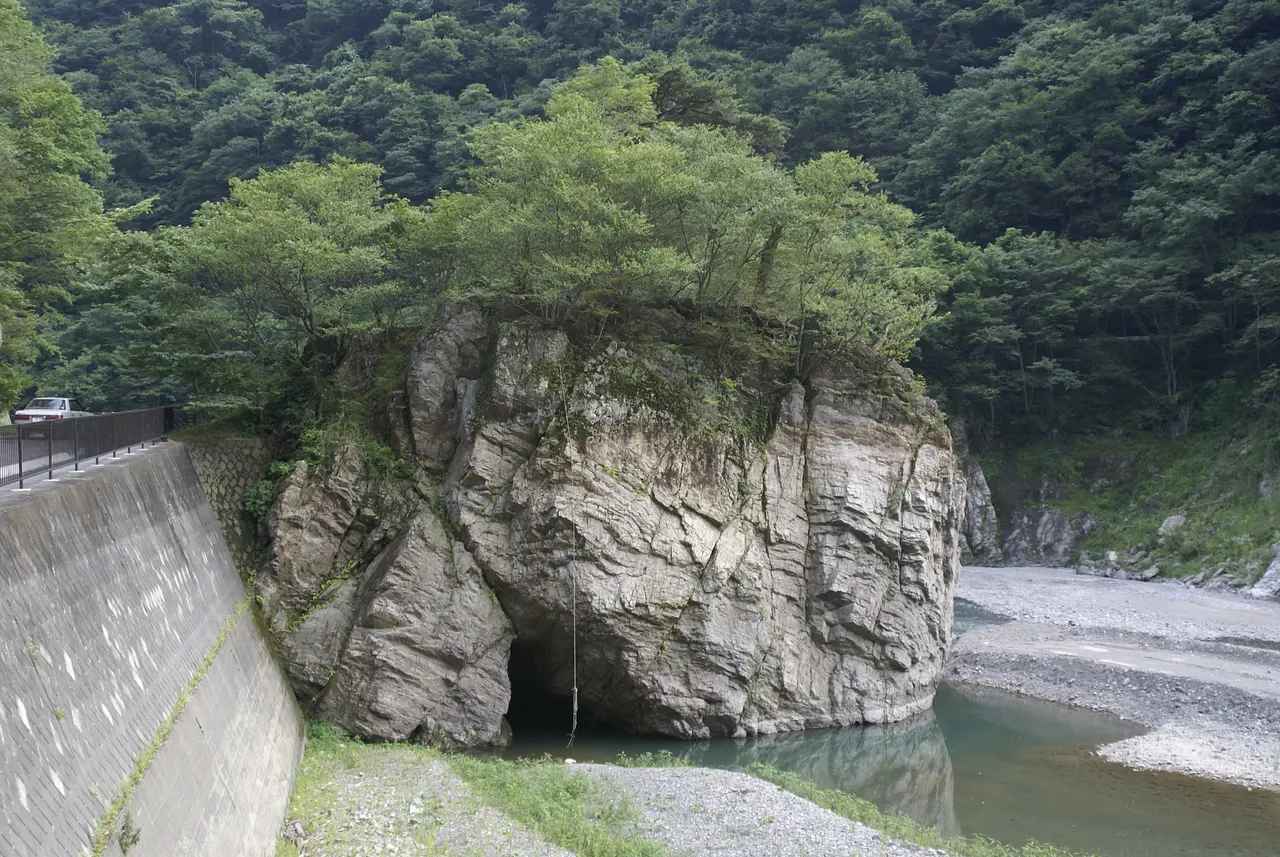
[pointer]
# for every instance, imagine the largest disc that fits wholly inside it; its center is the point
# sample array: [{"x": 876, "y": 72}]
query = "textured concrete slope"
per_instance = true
[{"x": 118, "y": 594}]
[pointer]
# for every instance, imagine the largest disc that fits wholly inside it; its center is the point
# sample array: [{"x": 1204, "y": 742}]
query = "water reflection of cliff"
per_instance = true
[{"x": 901, "y": 767}]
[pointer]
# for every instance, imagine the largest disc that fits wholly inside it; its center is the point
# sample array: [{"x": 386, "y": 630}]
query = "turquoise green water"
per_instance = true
[{"x": 987, "y": 763}]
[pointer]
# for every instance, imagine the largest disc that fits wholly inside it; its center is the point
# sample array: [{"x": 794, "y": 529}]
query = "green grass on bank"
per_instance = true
[
  {"x": 561, "y": 805},
  {"x": 571, "y": 810},
  {"x": 1133, "y": 484},
  {"x": 900, "y": 827},
  {"x": 328, "y": 755}
]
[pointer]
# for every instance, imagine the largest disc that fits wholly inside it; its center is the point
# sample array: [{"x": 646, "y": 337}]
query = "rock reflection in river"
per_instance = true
[
  {"x": 901, "y": 767},
  {"x": 905, "y": 766},
  {"x": 989, "y": 764}
]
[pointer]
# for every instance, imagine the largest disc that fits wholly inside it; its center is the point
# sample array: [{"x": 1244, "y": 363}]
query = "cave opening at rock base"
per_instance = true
[{"x": 541, "y": 699}]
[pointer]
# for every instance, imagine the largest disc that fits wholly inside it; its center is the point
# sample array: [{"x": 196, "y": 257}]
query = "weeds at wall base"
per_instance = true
[{"x": 107, "y": 825}]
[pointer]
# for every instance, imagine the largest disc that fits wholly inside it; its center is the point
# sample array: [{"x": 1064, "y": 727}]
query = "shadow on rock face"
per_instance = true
[{"x": 537, "y": 702}]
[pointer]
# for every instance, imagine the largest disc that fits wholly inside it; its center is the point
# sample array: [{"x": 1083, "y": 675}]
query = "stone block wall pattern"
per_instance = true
[
  {"x": 227, "y": 467},
  {"x": 117, "y": 584}
]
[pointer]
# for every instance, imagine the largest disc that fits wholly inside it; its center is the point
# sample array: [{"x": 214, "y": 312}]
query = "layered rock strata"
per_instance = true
[{"x": 710, "y": 585}]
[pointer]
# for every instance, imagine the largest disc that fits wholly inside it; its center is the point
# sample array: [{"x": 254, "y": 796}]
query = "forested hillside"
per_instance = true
[{"x": 1110, "y": 169}]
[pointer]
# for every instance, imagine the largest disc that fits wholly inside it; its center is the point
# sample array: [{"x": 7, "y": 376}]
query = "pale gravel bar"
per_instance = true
[
  {"x": 710, "y": 813},
  {"x": 1059, "y": 596},
  {"x": 1201, "y": 669}
]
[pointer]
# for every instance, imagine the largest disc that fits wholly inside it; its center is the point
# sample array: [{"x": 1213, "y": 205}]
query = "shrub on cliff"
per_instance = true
[{"x": 602, "y": 210}]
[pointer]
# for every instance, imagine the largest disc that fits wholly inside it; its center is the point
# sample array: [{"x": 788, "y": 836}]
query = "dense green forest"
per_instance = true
[{"x": 1095, "y": 189}]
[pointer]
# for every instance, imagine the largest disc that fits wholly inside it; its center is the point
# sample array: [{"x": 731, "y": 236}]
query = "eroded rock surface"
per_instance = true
[
  {"x": 427, "y": 655},
  {"x": 1045, "y": 536},
  {"x": 981, "y": 544},
  {"x": 385, "y": 624},
  {"x": 1268, "y": 587},
  {"x": 718, "y": 591},
  {"x": 718, "y": 587}
]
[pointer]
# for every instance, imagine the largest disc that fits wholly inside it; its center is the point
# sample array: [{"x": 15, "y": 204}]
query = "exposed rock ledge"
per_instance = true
[{"x": 721, "y": 588}]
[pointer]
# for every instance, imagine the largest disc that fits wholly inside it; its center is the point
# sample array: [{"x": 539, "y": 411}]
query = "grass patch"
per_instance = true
[
  {"x": 558, "y": 804},
  {"x": 106, "y": 826},
  {"x": 329, "y": 753},
  {"x": 660, "y": 759},
  {"x": 561, "y": 805},
  {"x": 898, "y": 826}
]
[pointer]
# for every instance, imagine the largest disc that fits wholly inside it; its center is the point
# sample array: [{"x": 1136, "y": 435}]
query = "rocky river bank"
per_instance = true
[{"x": 1200, "y": 669}]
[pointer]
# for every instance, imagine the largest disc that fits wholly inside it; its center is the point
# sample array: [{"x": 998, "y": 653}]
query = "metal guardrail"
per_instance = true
[{"x": 35, "y": 450}]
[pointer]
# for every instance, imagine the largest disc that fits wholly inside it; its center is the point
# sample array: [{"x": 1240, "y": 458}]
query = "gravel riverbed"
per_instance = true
[
  {"x": 1201, "y": 669},
  {"x": 399, "y": 801},
  {"x": 698, "y": 811},
  {"x": 390, "y": 801}
]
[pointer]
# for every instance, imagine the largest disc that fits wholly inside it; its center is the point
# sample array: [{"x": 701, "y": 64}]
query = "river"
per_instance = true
[{"x": 991, "y": 764}]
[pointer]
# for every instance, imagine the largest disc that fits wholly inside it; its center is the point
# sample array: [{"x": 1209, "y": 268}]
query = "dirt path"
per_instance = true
[{"x": 1201, "y": 669}]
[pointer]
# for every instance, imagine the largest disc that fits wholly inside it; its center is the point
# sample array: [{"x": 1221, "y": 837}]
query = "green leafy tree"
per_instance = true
[
  {"x": 603, "y": 208},
  {"x": 50, "y": 216},
  {"x": 303, "y": 262}
]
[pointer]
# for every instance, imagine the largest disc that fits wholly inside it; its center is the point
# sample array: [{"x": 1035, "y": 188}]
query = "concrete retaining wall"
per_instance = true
[{"x": 121, "y": 609}]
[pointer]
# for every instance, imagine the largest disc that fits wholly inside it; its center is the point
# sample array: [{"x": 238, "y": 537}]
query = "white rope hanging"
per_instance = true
[{"x": 573, "y": 579}]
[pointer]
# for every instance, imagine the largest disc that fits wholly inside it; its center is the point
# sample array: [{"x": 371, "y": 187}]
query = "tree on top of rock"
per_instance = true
[{"x": 603, "y": 209}]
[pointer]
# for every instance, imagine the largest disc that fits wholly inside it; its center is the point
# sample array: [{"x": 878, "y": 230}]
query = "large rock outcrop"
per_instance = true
[
  {"x": 710, "y": 586},
  {"x": 1268, "y": 587},
  {"x": 980, "y": 528},
  {"x": 1045, "y": 535},
  {"x": 385, "y": 624}
]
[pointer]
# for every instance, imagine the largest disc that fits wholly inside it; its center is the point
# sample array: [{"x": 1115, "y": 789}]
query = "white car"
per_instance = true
[{"x": 55, "y": 408}]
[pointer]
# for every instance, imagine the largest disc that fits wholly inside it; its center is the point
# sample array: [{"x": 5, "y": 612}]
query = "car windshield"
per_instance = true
[{"x": 45, "y": 404}]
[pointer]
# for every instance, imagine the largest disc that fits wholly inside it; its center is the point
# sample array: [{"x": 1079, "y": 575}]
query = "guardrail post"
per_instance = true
[{"x": 107, "y": 437}]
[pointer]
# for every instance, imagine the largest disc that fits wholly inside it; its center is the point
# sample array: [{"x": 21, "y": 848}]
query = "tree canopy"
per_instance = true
[
  {"x": 1111, "y": 166},
  {"x": 603, "y": 207},
  {"x": 49, "y": 214}
]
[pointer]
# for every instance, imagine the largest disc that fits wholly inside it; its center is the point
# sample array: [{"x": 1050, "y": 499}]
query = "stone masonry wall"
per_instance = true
[
  {"x": 121, "y": 600},
  {"x": 227, "y": 467}
]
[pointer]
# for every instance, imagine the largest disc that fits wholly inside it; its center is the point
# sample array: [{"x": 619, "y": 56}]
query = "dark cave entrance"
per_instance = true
[
  {"x": 542, "y": 700},
  {"x": 539, "y": 705}
]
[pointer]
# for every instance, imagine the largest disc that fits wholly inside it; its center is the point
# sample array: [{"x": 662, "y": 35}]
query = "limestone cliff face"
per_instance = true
[{"x": 712, "y": 587}]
